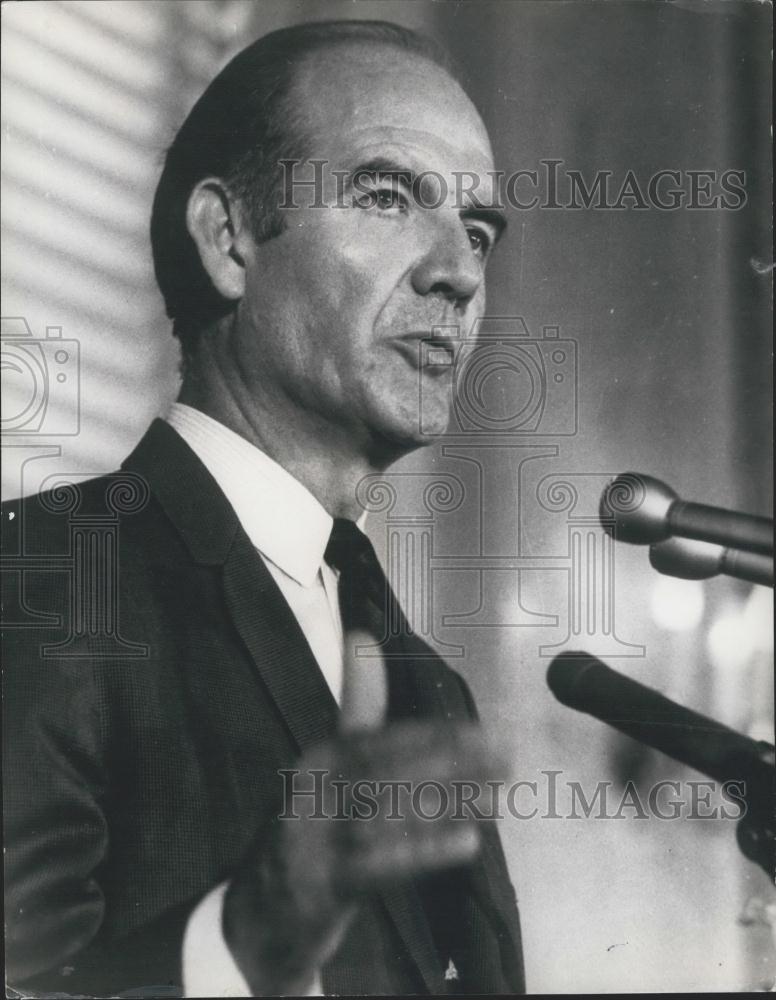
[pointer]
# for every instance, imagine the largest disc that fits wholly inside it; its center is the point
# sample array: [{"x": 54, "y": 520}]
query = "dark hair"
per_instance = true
[{"x": 239, "y": 130}]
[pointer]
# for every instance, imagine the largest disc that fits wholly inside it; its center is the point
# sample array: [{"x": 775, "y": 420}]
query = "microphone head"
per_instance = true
[
  {"x": 566, "y": 674},
  {"x": 686, "y": 559},
  {"x": 634, "y": 508}
]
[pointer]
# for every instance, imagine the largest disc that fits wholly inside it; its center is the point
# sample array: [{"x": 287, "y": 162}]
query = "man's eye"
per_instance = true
[
  {"x": 383, "y": 195},
  {"x": 387, "y": 198},
  {"x": 480, "y": 242}
]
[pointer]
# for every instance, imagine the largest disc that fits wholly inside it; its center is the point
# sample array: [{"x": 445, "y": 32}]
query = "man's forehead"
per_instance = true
[
  {"x": 381, "y": 94},
  {"x": 412, "y": 148}
]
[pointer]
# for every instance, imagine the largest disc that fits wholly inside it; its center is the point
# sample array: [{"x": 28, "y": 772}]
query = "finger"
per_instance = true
[
  {"x": 410, "y": 751},
  {"x": 364, "y": 686},
  {"x": 406, "y": 857}
]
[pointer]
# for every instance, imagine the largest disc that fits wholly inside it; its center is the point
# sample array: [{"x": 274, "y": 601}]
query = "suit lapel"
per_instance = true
[
  {"x": 208, "y": 525},
  {"x": 278, "y": 647},
  {"x": 492, "y": 890}
]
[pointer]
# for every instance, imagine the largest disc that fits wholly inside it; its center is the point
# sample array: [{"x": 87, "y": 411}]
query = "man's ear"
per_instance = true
[{"x": 215, "y": 223}]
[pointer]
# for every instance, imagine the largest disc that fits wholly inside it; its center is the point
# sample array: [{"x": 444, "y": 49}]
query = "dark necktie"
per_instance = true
[{"x": 366, "y": 599}]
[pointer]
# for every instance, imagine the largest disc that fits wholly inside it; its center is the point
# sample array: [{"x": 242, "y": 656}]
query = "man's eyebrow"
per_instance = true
[{"x": 385, "y": 166}]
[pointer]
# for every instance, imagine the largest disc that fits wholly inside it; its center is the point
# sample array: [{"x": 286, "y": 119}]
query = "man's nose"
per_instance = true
[{"x": 450, "y": 267}]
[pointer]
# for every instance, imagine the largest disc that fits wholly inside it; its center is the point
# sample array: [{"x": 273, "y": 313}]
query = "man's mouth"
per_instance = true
[{"x": 434, "y": 354}]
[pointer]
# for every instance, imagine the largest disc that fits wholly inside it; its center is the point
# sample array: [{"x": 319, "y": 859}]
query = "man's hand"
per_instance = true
[{"x": 286, "y": 912}]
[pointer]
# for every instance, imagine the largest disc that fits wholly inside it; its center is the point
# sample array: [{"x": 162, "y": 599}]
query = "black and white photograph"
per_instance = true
[{"x": 387, "y": 497}]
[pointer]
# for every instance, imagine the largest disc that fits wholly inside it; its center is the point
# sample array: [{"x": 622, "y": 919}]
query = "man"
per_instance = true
[{"x": 144, "y": 846}]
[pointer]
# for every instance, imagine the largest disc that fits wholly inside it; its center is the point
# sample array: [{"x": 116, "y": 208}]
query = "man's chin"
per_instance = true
[{"x": 400, "y": 436}]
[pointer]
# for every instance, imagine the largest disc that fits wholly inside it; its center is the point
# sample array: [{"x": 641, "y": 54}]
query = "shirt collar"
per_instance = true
[{"x": 281, "y": 517}]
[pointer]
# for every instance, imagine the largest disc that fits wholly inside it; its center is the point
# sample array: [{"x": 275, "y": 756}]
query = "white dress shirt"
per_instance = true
[{"x": 290, "y": 530}]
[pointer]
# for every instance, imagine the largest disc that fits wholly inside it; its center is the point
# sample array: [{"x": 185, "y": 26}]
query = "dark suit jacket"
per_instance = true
[{"x": 145, "y": 723}]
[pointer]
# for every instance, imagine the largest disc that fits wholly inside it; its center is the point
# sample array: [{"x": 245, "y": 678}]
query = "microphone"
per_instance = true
[
  {"x": 693, "y": 560},
  {"x": 584, "y": 683},
  {"x": 642, "y": 510}
]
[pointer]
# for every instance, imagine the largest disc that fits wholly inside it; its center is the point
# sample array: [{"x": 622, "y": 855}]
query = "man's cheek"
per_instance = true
[
  {"x": 356, "y": 282},
  {"x": 366, "y": 266},
  {"x": 379, "y": 246}
]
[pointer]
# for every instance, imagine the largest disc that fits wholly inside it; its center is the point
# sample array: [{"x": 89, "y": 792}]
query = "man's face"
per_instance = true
[{"x": 336, "y": 307}]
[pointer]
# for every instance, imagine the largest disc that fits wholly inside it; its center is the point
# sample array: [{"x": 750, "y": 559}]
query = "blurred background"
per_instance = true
[{"x": 669, "y": 315}]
